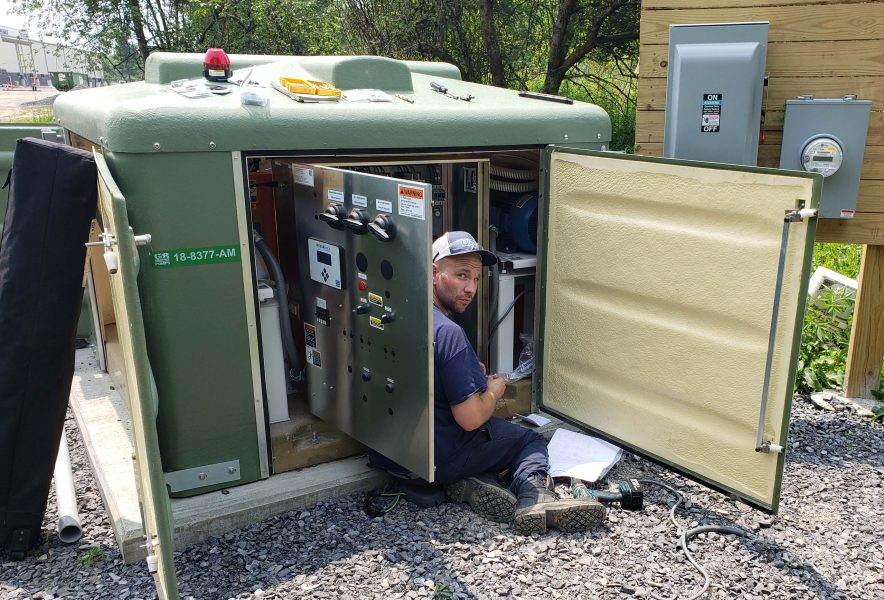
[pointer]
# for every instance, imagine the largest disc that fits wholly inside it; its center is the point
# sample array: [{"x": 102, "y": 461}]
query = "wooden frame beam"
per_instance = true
[{"x": 866, "y": 353}]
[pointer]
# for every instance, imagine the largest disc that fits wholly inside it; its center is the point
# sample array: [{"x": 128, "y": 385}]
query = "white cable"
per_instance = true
[
  {"x": 513, "y": 187},
  {"x": 516, "y": 174}
]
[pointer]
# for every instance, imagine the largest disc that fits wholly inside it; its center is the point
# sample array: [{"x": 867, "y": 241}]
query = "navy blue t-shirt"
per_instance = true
[{"x": 457, "y": 376}]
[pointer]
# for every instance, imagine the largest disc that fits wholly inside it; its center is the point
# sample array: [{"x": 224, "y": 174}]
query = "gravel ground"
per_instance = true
[{"x": 827, "y": 542}]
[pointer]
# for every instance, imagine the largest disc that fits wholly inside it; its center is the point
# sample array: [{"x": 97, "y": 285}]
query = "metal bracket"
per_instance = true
[
  {"x": 108, "y": 241},
  {"x": 800, "y": 214},
  {"x": 792, "y": 216},
  {"x": 199, "y": 477}
]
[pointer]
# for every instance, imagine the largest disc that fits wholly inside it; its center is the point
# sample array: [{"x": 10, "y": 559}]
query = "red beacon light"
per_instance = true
[{"x": 216, "y": 65}]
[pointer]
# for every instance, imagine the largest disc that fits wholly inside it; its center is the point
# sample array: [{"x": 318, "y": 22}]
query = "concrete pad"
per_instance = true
[{"x": 103, "y": 420}]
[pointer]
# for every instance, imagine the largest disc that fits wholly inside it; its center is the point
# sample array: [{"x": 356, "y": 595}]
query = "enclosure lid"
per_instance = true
[
  {"x": 150, "y": 117},
  {"x": 658, "y": 290}
]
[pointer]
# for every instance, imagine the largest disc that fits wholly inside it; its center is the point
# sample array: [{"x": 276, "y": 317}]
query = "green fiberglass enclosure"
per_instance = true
[
  {"x": 201, "y": 174},
  {"x": 263, "y": 281}
]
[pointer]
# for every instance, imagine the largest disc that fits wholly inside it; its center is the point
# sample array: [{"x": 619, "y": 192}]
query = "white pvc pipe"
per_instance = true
[{"x": 69, "y": 530}]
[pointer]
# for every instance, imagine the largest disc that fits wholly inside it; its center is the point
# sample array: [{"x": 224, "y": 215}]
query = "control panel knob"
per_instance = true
[
  {"x": 366, "y": 376},
  {"x": 357, "y": 221},
  {"x": 334, "y": 215},
  {"x": 383, "y": 227},
  {"x": 362, "y": 309},
  {"x": 389, "y": 387},
  {"x": 388, "y": 317}
]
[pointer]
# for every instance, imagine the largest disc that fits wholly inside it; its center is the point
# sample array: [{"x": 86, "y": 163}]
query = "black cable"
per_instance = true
[
  {"x": 509, "y": 308},
  {"x": 285, "y": 323},
  {"x": 377, "y": 504},
  {"x": 685, "y": 535}
]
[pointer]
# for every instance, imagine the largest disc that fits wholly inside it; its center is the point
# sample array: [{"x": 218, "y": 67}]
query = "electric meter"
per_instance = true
[
  {"x": 815, "y": 133},
  {"x": 822, "y": 155}
]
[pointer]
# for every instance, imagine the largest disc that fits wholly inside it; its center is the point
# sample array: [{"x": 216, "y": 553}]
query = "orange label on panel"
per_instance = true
[{"x": 410, "y": 192}]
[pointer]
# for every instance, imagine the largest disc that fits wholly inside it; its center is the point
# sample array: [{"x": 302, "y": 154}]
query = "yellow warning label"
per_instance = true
[
  {"x": 376, "y": 323},
  {"x": 375, "y": 299}
]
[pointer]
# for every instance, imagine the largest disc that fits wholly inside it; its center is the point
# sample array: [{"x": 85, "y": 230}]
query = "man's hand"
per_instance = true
[
  {"x": 482, "y": 366},
  {"x": 496, "y": 385}
]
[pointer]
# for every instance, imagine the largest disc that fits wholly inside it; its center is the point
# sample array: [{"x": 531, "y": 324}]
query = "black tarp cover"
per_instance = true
[{"x": 52, "y": 200}]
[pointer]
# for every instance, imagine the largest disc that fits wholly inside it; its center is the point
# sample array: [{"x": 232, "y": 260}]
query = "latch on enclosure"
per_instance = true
[{"x": 108, "y": 241}]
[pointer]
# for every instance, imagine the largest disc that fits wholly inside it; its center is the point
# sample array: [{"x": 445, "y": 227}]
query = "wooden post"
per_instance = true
[{"x": 866, "y": 353}]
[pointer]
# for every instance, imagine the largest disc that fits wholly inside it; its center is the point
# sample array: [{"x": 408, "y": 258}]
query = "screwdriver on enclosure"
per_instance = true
[{"x": 438, "y": 87}]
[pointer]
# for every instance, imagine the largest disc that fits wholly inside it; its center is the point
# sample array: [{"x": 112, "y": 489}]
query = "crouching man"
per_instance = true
[{"x": 471, "y": 446}]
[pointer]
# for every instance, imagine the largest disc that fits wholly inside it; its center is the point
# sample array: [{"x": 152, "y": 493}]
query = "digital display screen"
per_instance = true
[
  {"x": 324, "y": 257},
  {"x": 823, "y": 158}
]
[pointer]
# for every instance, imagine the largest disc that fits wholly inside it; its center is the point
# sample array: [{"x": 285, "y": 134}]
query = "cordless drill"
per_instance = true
[{"x": 628, "y": 493}]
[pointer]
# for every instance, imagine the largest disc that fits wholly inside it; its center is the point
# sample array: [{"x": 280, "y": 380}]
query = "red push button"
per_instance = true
[{"x": 362, "y": 286}]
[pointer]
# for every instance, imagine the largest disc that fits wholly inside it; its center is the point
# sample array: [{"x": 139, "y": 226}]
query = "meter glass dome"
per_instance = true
[{"x": 822, "y": 155}]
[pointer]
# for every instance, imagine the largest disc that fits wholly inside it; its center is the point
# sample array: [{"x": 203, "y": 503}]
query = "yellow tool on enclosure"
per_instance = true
[{"x": 309, "y": 87}]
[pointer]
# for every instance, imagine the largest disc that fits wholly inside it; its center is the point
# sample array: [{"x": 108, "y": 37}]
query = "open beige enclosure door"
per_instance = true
[
  {"x": 672, "y": 297},
  {"x": 121, "y": 253}
]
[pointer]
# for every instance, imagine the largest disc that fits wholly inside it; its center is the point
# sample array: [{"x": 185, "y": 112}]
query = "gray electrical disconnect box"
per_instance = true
[
  {"x": 828, "y": 136},
  {"x": 713, "y": 93}
]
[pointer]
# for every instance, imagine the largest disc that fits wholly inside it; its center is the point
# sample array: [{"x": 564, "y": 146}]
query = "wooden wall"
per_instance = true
[{"x": 826, "y": 48}]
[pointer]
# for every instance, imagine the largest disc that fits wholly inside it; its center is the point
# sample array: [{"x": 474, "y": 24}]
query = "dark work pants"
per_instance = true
[{"x": 500, "y": 445}]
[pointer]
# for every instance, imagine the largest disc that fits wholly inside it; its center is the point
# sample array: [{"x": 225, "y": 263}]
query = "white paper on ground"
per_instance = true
[
  {"x": 534, "y": 419},
  {"x": 577, "y": 455}
]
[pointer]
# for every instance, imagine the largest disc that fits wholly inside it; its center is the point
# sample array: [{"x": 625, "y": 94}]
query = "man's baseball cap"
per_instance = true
[{"x": 455, "y": 243}]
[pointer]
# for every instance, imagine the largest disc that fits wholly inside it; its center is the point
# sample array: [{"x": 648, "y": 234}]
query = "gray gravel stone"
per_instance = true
[{"x": 827, "y": 542}]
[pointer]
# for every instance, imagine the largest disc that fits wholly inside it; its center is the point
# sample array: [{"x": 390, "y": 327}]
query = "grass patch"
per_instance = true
[
  {"x": 38, "y": 115},
  {"x": 440, "y": 590},
  {"x": 91, "y": 556}
]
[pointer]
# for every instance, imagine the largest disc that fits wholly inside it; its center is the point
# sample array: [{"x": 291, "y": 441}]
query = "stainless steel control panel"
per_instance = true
[{"x": 364, "y": 245}]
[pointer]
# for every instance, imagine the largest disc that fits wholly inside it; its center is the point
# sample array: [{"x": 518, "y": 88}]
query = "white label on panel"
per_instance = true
[
  {"x": 314, "y": 357},
  {"x": 309, "y": 335},
  {"x": 384, "y": 205},
  {"x": 358, "y": 200},
  {"x": 321, "y": 303},
  {"x": 303, "y": 176},
  {"x": 336, "y": 195},
  {"x": 712, "y": 113},
  {"x": 411, "y": 202}
]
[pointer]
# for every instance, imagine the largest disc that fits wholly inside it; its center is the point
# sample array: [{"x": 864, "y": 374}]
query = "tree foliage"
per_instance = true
[{"x": 538, "y": 44}]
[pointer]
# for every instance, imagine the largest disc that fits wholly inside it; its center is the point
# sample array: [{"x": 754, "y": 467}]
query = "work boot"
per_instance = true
[
  {"x": 538, "y": 507},
  {"x": 485, "y": 496}
]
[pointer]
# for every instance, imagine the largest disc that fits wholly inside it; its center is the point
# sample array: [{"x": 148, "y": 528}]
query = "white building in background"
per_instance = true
[{"x": 21, "y": 57}]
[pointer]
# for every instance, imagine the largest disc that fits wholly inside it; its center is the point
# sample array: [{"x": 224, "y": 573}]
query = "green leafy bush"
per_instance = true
[
  {"x": 825, "y": 336},
  {"x": 824, "y": 341}
]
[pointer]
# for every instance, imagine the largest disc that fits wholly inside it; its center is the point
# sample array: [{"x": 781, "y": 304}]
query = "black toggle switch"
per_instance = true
[
  {"x": 389, "y": 387},
  {"x": 362, "y": 309},
  {"x": 334, "y": 215},
  {"x": 388, "y": 318},
  {"x": 357, "y": 221},
  {"x": 366, "y": 376},
  {"x": 383, "y": 227}
]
